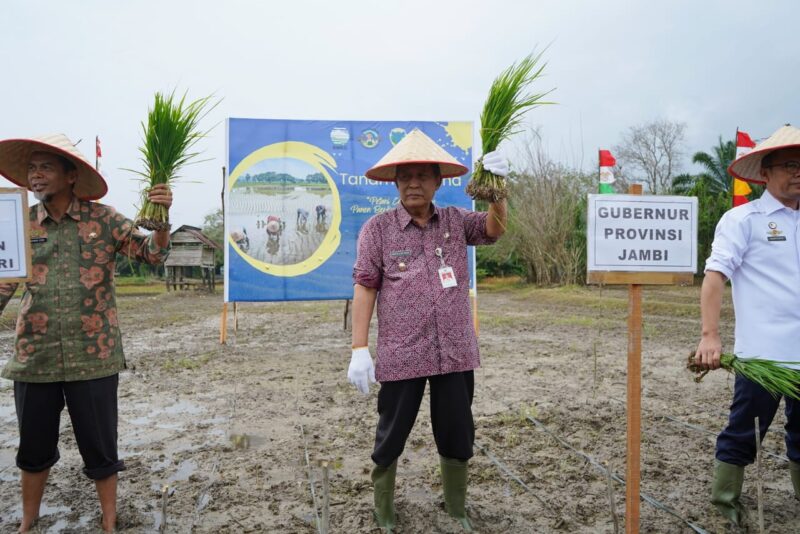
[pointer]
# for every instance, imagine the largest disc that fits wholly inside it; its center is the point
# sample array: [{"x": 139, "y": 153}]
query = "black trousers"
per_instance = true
[
  {"x": 736, "y": 444},
  {"x": 92, "y": 406},
  {"x": 451, "y": 415}
]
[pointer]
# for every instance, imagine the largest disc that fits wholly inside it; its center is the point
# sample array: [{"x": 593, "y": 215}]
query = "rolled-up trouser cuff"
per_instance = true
[
  {"x": 99, "y": 473},
  {"x": 38, "y": 468}
]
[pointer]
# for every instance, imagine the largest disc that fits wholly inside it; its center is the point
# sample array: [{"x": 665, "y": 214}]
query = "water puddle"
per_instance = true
[
  {"x": 185, "y": 469},
  {"x": 184, "y": 407},
  {"x": 44, "y": 510},
  {"x": 8, "y": 413}
]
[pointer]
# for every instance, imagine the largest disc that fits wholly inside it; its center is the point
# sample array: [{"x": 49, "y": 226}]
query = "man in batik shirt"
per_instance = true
[
  {"x": 68, "y": 348},
  {"x": 412, "y": 260}
]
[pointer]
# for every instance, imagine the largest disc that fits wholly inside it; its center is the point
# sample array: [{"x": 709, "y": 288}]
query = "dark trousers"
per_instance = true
[
  {"x": 736, "y": 444},
  {"x": 451, "y": 415},
  {"x": 92, "y": 406}
]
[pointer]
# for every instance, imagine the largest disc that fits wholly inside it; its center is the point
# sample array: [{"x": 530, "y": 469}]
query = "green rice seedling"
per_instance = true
[
  {"x": 501, "y": 118},
  {"x": 170, "y": 133},
  {"x": 772, "y": 375}
]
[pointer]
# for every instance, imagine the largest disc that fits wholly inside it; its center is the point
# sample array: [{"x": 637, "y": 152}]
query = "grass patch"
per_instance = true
[
  {"x": 588, "y": 321},
  {"x": 500, "y": 283},
  {"x": 187, "y": 363},
  {"x": 134, "y": 281},
  {"x": 133, "y": 290},
  {"x": 609, "y": 300},
  {"x": 502, "y": 320}
]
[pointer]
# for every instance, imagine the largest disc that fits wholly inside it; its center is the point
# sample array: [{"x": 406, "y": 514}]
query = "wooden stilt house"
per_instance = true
[{"x": 190, "y": 264}]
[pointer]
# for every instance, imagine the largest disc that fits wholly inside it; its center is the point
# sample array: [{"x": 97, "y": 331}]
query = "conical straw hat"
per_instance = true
[
  {"x": 416, "y": 147},
  {"x": 15, "y": 154},
  {"x": 748, "y": 167}
]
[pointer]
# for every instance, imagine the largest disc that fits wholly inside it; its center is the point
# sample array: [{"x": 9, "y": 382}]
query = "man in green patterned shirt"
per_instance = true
[{"x": 68, "y": 348}]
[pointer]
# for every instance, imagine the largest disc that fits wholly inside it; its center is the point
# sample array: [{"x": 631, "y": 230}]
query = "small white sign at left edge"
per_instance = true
[{"x": 15, "y": 244}]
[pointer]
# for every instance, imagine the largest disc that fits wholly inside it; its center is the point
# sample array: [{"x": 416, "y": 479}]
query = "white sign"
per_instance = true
[
  {"x": 642, "y": 233},
  {"x": 15, "y": 262}
]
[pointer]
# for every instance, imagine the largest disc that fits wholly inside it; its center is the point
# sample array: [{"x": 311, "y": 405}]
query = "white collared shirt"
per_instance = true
[{"x": 757, "y": 246}]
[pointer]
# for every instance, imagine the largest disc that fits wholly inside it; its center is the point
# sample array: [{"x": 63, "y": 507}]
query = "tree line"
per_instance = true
[
  {"x": 546, "y": 239},
  {"x": 271, "y": 177}
]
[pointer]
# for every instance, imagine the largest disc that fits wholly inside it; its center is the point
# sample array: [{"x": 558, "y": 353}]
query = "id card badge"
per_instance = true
[{"x": 447, "y": 277}]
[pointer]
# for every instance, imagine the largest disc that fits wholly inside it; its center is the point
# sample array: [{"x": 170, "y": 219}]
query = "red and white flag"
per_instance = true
[
  {"x": 744, "y": 144},
  {"x": 607, "y": 162},
  {"x": 97, "y": 153}
]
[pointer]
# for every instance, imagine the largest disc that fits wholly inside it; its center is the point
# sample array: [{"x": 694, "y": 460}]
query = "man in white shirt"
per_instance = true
[{"x": 757, "y": 248}]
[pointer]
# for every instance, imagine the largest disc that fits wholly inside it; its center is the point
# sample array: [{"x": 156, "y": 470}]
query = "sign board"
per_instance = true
[
  {"x": 15, "y": 245},
  {"x": 296, "y": 198},
  {"x": 635, "y": 233}
]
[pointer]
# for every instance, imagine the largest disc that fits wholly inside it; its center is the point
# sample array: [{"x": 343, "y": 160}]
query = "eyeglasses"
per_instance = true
[{"x": 792, "y": 167}]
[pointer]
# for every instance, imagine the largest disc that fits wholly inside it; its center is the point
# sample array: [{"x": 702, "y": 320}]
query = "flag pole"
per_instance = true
[
  {"x": 733, "y": 178},
  {"x": 599, "y": 176},
  {"x": 96, "y": 157}
]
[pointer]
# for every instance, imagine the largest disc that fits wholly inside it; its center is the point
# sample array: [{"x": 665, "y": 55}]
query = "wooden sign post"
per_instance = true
[{"x": 636, "y": 241}]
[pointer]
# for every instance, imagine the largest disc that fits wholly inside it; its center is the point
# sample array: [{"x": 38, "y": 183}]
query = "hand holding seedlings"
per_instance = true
[
  {"x": 160, "y": 194},
  {"x": 708, "y": 352}
]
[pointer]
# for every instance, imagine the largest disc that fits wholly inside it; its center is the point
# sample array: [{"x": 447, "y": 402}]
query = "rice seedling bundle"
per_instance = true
[
  {"x": 769, "y": 374},
  {"x": 501, "y": 118},
  {"x": 170, "y": 133}
]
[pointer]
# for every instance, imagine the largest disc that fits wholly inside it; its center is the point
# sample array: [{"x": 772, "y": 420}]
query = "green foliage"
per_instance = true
[
  {"x": 128, "y": 267},
  {"x": 214, "y": 228},
  {"x": 545, "y": 241},
  {"x": 716, "y": 166},
  {"x": 711, "y": 206},
  {"x": 270, "y": 177},
  {"x": 714, "y": 189}
]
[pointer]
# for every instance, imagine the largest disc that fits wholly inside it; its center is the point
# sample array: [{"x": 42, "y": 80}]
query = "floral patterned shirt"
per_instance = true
[
  {"x": 67, "y": 328},
  {"x": 424, "y": 329}
]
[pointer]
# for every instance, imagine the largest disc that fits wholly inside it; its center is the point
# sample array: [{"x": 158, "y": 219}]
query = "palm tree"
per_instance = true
[
  {"x": 684, "y": 184},
  {"x": 716, "y": 165}
]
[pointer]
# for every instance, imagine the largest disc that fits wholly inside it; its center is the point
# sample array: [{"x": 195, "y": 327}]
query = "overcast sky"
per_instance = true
[{"x": 89, "y": 68}]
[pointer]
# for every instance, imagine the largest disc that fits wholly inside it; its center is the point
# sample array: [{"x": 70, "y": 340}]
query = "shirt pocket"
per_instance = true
[
  {"x": 403, "y": 267},
  {"x": 396, "y": 269},
  {"x": 41, "y": 251}
]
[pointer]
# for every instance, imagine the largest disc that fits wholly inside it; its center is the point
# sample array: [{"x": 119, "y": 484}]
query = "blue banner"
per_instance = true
[{"x": 296, "y": 197}]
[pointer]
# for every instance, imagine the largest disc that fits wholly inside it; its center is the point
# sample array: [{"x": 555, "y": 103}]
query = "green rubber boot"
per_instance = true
[
  {"x": 383, "y": 481},
  {"x": 794, "y": 471},
  {"x": 454, "y": 485},
  {"x": 726, "y": 490}
]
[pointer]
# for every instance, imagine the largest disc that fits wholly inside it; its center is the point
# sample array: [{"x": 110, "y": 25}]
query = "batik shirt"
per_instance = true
[
  {"x": 424, "y": 329},
  {"x": 67, "y": 328}
]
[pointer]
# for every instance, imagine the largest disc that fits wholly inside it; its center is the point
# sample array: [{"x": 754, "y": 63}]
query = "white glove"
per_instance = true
[
  {"x": 496, "y": 163},
  {"x": 361, "y": 372}
]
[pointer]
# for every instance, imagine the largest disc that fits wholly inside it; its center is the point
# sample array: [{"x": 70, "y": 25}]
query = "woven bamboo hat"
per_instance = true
[
  {"x": 15, "y": 154},
  {"x": 416, "y": 147},
  {"x": 748, "y": 167}
]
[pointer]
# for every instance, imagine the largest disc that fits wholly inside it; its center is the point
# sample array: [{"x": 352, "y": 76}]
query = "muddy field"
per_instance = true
[{"x": 232, "y": 430}]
